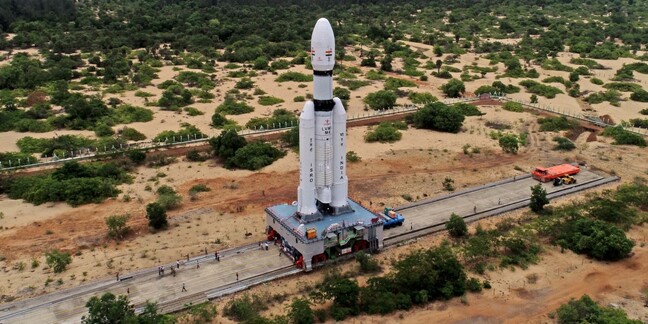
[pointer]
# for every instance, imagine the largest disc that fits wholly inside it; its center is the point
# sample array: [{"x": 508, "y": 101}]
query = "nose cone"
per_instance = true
[{"x": 323, "y": 46}]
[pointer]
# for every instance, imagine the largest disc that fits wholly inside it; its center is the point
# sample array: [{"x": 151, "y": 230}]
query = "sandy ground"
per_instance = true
[{"x": 415, "y": 165}]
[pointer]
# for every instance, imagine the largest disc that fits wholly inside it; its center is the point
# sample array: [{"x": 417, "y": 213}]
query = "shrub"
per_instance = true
[
  {"x": 554, "y": 124},
  {"x": 585, "y": 310},
  {"x": 623, "y": 86},
  {"x": 244, "y": 83},
  {"x": 564, "y": 144},
  {"x": 199, "y": 188},
  {"x": 299, "y": 99},
  {"x": 541, "y": 89},
  {"x": 438, "y": 116},
  {"x": 280, "y": 118},
  {"x": 538, "y": 198},
  {"x": 597, "y": 81},
  {"x": 624, "y": 137},
  {"x": 383, "y": 99},
  {"x": 473, "y": 285},
  {"x": 640, "y": 95},
  {"x": 395, "y": 83},
  {"x": 136, "y": 156},
  {"x": 187, "y": 132},
  {"x": 191, "y": 111},
  {"x": 232, "y": 107},
  {"x": 195, "y": 156},
  {"x": 269, "y": 100},
  {"x": 644, "y": 111},
  {"x": 384, "y": 133},
  {"x": 456, "y": 226},
  {"x": 294, "y": 76},
  {"x": 156, "y": 214},
  {"x": 352, "y": 156},
  {"x": 594, "y": 238},
  {"x": 509, "y": 143},
  {"x": 57, "y": 260},
  {"x": 422, "y": 98},
  {"x": 117, "y": 227},
  {"x": 613, "y": 96},
  {"x": 513, "y": 106},
  {"x": 131, "y": 134},
  {"x": 367, "y": 264},
  {"x": 454, "y": 88},
  {"x": 254, "y": 156}
]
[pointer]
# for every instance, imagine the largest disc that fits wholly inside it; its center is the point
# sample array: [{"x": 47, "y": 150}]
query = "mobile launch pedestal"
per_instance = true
[{"x": 323, "y": 223}]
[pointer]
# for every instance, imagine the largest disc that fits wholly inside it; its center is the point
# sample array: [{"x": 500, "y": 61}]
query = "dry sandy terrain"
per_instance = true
[{"x": 416, "y": 165}]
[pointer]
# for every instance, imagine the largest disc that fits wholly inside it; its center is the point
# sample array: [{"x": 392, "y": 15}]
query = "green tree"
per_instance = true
[
  {"x": 227, "y": 143},
  {"x": 300, "y": 312},
  {"x": 57, "y": 260},
  {"x": 538, "y": 198},
  {"x": 343, "y": 291},
  {"x": 156, "y": 215},
  {"x": 509, "y": 143},
  {"x": 254, "y": 156},
  {"x": 117, "y": 227},
  {"x": 454, "y": 88},
  {"x": 534, "y": 99},
  {"x": 383, "y": 99},
  {"x": 456, "y": 226},
  {"x": 109, "y": 309}
]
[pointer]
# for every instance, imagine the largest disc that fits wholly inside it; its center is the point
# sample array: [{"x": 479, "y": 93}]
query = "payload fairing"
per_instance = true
[{"x": 323, "y": 183}]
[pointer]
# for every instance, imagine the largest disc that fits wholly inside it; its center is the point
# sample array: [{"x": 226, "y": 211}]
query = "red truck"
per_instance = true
[{"x": 548, "y": 174}]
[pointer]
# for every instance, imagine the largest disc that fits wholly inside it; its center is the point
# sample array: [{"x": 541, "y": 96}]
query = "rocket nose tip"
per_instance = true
[{"x": 323, "y": 26}]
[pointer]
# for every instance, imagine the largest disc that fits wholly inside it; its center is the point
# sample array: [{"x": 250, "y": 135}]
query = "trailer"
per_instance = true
[
  {"x": 549, "y": 174},
  {"x": 391, "y": 218}
]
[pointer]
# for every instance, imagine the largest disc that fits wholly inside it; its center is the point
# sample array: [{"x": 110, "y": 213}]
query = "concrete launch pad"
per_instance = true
[{"x": 309, "y": 243}]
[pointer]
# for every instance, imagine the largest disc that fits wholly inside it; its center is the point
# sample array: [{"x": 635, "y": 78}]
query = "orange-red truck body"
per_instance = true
[{"x": 548, "y": 174}]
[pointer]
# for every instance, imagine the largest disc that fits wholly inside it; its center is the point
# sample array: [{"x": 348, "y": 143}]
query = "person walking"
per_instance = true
[
  {"x": 197, "y": 265},
  {"x": 237, "y": 276},
  {"x": 177, "y": 264},
  {"x": 183, "y": 287}
]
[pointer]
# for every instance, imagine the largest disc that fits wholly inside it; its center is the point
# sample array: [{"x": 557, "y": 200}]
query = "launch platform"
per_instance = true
[{"x": 314, "y": 242}]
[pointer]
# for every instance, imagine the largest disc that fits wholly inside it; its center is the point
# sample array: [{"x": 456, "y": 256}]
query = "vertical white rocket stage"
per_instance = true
[{"x": 323, "y": 183}]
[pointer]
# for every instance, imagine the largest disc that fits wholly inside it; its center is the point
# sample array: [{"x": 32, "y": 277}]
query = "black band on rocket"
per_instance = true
[
  {"x": 323, "y": 73},
  {"x": 324, "y": 105}
]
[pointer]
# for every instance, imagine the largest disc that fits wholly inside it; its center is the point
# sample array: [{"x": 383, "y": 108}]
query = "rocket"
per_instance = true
[{"x": 323, "y": 183}]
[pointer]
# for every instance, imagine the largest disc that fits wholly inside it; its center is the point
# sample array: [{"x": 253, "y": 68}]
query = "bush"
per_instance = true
[
  {"x": 554, "y": 124},
  {"x": 137, "y": 157},
  {"x": 299, "y": 99},
  {"x": 564, "y": 144},
  {"x": 254, "y": 156},
  {"x": 623, "y": 86},
  {"x": 541, "y": 89},
  {"x": 438, "y": 116},
  {"x": 513, "y": 106},
  {"x": 195, "y": 156},
  {"x": 597, "y": 81},
  {"x": 191, "y": 111},
  {"x": 454, "y": 88},
  {"x": 467, "y": 109},
  {"x": 244, "y": 83},
  {"x": 394, "y": 83},
  {"x": 244, "y": 308},
  {"x": 509, "y": 143},
  {"x": 456, "y": 226},
  {"x": 199, "y": 188},
  {"x": 280, "y": 118},
  {"x": 186, "y": 133},
  {"x": 384, "y": 133},
  {"x": 594, "y": 238},
  {"x": 156, "y": 214},
  {"x": 640, "y": 95},
  {"x": 473, "y": 285},
  {"x": 117, "y": 227},
  {"x": 624, "y": 137},
  {"x": 352, "y": 156},
  {"x": 57, "y": 260},
  {"x": 269, "y": 100},
  {"x": 233, "y": 107},
  {"x": 383, "y": 99},
  {"x": 294, "y": 76},
  {"x": 367, "y": 264},
  {"x": 585, "y": 310},
  {"x": 422, "y": 98},
  {"x": 612, "y": 96},
  {"x": 131, "y": 134},
  {"x": 538, "y": 198}
]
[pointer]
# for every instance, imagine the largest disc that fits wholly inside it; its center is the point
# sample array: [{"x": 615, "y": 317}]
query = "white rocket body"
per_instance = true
[{"x": 322, "y": 133}]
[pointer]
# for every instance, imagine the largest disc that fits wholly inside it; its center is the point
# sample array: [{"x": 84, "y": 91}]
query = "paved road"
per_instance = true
[
  {"x": 483, "y": 199},
  {"x": 68, "y": 306}
]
